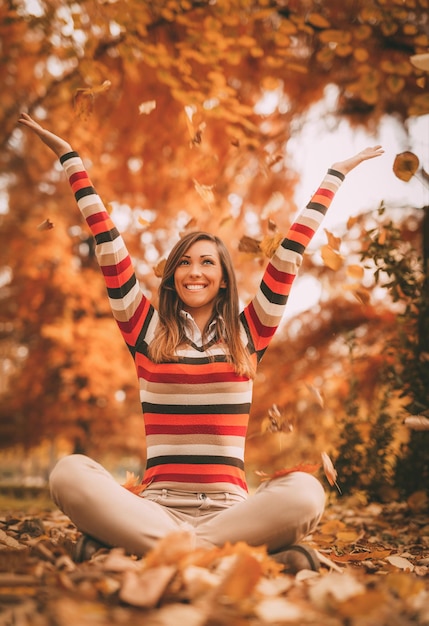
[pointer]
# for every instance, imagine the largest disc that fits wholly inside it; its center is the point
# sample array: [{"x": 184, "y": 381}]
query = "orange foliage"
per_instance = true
[{"x": 159, "y": 99}]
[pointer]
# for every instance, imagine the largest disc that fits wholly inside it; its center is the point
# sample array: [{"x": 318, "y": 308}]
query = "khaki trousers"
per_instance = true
[{"x": 280, "y": 513}]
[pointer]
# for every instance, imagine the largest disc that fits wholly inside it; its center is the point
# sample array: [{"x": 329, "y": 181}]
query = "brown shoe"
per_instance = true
[
  {"x": 297, "y": 558},
  {"x": 85, "y": 548}
]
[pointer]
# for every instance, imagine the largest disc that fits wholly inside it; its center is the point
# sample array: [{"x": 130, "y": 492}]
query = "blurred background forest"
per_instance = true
[{"x": 220, "y": 115}]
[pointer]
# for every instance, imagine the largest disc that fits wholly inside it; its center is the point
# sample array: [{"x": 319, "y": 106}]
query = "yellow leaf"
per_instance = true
[
  {"x": 352, "y": 221},
  {"x": 333, "y": 241},
  {"x": 318, "y": 21},
  {"x": 270, "y": 243},
  {"x": 355, "y": 271},
  {"x": 405, "y": 165},
  {"x": 331, "y": 258}
]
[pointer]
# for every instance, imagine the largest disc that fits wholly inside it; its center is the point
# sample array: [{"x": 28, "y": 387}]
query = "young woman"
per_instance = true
[{"x": 195, "y": 358}]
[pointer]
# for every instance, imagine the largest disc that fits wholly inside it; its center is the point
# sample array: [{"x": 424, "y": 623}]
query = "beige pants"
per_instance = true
[{"x": 281, "y": 512}]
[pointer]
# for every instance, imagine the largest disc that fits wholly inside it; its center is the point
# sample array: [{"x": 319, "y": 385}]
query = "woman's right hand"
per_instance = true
[{"x": 55, "y": 143}]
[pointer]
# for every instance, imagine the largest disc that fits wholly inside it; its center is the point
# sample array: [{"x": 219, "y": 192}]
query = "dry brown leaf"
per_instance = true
[
  {"x": 405, "y": 165},
  {"x": 145, "y": 589},
  {"x": 205, "y": 192},
  {"x": 45, "y": 225},
  {"x": 330, "y": 471},
  {"x": 400, "y": 562},
  {"x": 250, "y": 245}
]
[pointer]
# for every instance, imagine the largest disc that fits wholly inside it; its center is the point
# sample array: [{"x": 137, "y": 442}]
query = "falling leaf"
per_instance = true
[
  {"x": 270, "y": 243},
  {"x": 275, "y": 422},
  {"x": 84, "y": 99},
  {"x": 331, "y": 258},
  {"x": 159, "y": 268},
  {"x": 316, "y": 394},
  {"x": 147, "y": 107},
  {"x": 250, "y": 245},
  {"x": 330, "y": 471},
  {"x": 205, "y": 192},
  {"x": 405, "y": 165},
  {"x": 355, "y": 271},
  {"x": 143, "y": 222},
  {"x": 45, "y": 225},
  {"x": 352, "y": 221},
  {"x": 333, "y": 241}
]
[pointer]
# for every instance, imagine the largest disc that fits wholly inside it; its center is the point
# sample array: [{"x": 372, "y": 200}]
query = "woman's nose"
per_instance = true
[{"x": 195, "y": 269}]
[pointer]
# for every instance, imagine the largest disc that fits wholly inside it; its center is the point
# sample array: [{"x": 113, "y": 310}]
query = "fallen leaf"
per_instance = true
[
  {"x": 400, "y": 562},
  {"x": 145, "y": 589}
]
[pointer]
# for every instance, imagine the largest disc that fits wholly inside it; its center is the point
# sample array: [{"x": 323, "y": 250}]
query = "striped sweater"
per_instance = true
[{"x": 196, "y": 409}]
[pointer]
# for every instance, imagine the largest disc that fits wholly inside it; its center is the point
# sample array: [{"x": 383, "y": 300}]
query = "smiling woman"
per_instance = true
[{"x": 195, "y": 358}]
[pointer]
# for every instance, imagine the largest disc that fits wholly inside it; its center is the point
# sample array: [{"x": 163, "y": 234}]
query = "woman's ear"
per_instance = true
[{"x": 223, "y": 284}]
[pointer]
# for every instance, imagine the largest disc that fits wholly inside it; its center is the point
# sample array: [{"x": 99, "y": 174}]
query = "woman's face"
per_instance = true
[{"x": 198, "y": 278}]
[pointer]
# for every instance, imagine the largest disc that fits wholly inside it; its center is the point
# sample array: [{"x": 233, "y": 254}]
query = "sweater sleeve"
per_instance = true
[
  {"x": 129, "y": 305},
  {"x": 263, "y": 314}
]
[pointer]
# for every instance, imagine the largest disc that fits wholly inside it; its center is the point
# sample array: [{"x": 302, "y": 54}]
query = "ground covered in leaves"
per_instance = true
[{"x": 375, "y": 572}]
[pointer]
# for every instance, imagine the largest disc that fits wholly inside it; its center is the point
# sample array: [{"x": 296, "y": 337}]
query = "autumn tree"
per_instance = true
[{"x": 161, "y": 99}]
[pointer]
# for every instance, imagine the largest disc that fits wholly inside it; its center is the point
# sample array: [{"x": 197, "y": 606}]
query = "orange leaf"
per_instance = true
[
  {"x": 331, "y": 258},
  {"x": 333, "y": 241},
  {"x": 309, "y": 468},
  {"x": 131, "y": 483}
]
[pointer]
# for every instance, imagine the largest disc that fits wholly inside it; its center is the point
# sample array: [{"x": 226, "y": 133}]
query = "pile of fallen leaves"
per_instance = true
[{"x": 375, "y": 571}]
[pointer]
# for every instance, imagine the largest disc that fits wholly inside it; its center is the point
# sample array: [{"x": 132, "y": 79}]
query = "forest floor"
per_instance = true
[{"x": 375, "y": 572}]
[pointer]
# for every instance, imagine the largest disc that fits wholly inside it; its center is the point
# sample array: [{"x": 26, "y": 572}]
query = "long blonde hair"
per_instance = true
[{"x": 170, "y": 332}]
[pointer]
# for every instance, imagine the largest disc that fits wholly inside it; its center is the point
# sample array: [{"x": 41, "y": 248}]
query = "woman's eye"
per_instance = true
[
  {"x": 184, "y": 262},
  {"x": 208, "y": 262}
]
